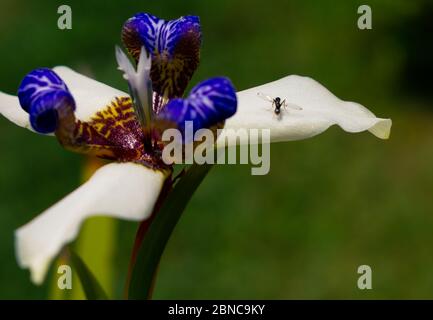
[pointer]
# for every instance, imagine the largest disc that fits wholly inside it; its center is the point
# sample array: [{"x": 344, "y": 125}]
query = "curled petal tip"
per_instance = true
[
  {"x": 209, "y": 103},
  {"x": 382, "y": 129},
  {"x": 45, "y": 97},
  {"x": 318, "y": 110}
]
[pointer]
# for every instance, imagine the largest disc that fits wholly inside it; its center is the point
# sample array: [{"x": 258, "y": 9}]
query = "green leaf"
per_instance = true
[
  {"x": 96, "y": 245},
  {"x": 160, "y": 230},
  {"x": 91, "y": 286}
]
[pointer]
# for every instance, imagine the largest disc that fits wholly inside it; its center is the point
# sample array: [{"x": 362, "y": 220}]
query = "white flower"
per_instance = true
[{"x": 129, "y": 190}]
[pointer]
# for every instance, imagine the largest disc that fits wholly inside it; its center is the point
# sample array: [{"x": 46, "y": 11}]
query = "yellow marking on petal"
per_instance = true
[{"x": 110, "y": 133}]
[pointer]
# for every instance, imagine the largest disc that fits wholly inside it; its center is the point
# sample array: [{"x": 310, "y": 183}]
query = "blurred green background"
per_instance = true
[{"x": 329, "y": 204}]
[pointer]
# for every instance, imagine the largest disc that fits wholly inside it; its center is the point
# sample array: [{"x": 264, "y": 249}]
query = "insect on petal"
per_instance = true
[{"x": 314, "y": 110}]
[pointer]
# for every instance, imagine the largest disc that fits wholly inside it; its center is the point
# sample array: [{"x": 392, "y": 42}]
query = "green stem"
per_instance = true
[
  {"x": 155, "y": 239},
  {"x": 142, "y": 229}
]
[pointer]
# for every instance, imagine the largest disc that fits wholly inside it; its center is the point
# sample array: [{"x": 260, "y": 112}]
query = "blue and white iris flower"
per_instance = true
[{"x": 92, "y": 118}]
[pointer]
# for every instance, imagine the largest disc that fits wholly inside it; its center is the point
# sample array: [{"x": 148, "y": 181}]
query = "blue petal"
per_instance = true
[
  {"x": 174, "y": 46},
  {"x": 43, "y": 94},
  {"x": 209, "y": 103},
  {"x": 158, "y": 35}
]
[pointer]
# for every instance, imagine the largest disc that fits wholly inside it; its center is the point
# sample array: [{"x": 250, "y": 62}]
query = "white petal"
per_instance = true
[
  {"x": 139, "y": 82},
  {"x": 123, "y": 190},
  {"x": 10, "y": 108},
  {"x": 90, "y": 95},
  {"x": 319, "y": 110},
  {"x": 125, "y": 65}
]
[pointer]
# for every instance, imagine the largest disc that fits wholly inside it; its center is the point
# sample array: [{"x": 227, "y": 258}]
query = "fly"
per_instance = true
[{"x": 277, "y": 103}]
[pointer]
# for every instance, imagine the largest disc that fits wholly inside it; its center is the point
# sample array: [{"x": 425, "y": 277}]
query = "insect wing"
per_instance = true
[
  {"x": 289, "y": 105},
  {"x": 293, "y": 106},
  {"x": 265, "y": 97}
]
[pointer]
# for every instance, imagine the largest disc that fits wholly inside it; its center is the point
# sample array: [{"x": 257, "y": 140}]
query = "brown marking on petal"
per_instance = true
[
  {"x": 171, "y": 71},
  {"x": 112, "y": 133},
  {"x": 170, "y": 74},
  {"x": 131, "y": 40}
]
